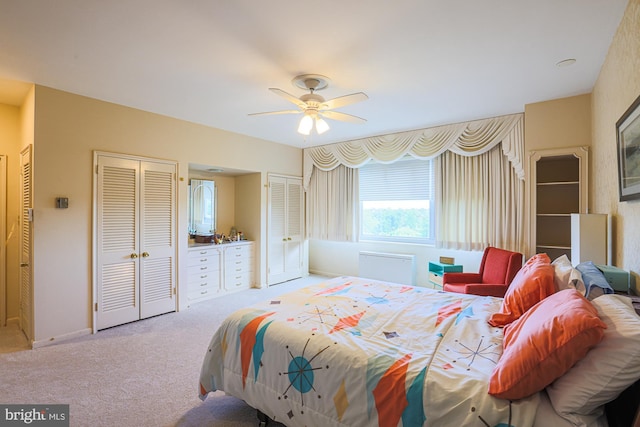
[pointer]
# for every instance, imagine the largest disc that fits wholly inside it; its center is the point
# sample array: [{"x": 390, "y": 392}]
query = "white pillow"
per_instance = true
[
  {"x": 567, "y": 277},
  {"x": 607, "y": 369}
]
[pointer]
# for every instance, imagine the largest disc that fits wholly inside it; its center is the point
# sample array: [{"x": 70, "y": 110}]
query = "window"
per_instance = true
[{"x": 397, "y": 201}]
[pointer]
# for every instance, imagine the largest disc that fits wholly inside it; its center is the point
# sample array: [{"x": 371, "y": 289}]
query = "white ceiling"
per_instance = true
[{"x": 422, "y": 62}]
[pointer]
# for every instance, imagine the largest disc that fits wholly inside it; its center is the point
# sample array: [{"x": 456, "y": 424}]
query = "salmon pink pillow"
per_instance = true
[
  {"x": 545, "y": 343},
  {"x": 533, "y": 283}
]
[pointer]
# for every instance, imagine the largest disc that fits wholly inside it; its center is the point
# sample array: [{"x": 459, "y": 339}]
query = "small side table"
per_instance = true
[{"x": 437, "y": 269}]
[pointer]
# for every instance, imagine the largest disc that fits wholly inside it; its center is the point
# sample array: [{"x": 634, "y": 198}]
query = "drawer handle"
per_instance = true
[
  {"x": 238, "y": 262},
  {"x": 203, "y": 276},
  {"x": 238, "y": 269},
  {"x": 203, "y": 252},
  {"x": 203, "y": 284},
  {"x": 203, "y": 292},
  {"x": 203, "y": 260},
  {"x": 203, "y": 267},
  {"x": 238, "y": 277}
]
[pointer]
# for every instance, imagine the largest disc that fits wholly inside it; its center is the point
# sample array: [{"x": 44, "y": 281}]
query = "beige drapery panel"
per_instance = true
[
  {"x": 479, "y": 202},
  {"x": 332, "y": 205},
  {"x": 466, "y": 139}
]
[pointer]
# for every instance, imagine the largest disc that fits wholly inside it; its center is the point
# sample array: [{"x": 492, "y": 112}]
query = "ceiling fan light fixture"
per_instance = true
[
  {"x": 305, "y": 125},
  {"x": 314, "y": 107},
  {"x": 321, "y": 126}
]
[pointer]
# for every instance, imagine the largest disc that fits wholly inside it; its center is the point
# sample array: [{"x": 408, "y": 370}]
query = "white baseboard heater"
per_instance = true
[{"x": 397, "y": 268}]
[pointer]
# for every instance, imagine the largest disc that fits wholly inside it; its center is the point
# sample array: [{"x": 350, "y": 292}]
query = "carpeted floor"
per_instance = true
[{"x": 140, "y": 374}]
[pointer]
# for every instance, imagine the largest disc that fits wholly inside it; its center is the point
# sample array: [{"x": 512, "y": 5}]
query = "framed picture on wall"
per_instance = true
[{"x": 628, "y": 136}]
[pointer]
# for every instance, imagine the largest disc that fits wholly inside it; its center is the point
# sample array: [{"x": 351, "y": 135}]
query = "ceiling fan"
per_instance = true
[{"x": 314, "y": 107}]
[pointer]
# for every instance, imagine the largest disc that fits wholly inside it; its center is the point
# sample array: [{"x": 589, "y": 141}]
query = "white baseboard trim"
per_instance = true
[
  {"x": 325, "y": 273},
  {"x": 59, "y": 338}
]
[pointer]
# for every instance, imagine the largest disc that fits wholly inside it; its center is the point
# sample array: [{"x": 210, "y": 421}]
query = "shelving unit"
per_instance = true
[
  {"x": 437, "y": 270},
  {"x": 558, "y": 188}
]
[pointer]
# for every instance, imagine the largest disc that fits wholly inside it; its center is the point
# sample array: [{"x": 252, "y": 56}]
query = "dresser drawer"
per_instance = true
[
  {"x": 202, "y": 278},
  {"x": 203, "y": 284},
  {"x": 237, "y": 267},
  {"x": 199, "y": 258},
  {"x": 239, "y": 251},
  {"x": 201, "y": 293},
  {"x": 234, "y": 281},
  {"x": 204, "y": 267},
  {"x": 233, "y": 264},
  {"x": 203, "y": 251}
]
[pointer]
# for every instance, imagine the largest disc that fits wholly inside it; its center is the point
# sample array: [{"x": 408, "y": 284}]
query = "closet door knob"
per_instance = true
[
  {"x": 145, "y": 254},
  {"x": 134, "y": 256}
]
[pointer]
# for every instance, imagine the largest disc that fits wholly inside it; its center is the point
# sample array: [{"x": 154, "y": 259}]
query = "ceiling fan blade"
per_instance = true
[
  {"x": 288, "y": 97},
  {"x": 276, "y": 112},
  {"x": 341, "y": 101},
  {"x": 335, "y": 115}
]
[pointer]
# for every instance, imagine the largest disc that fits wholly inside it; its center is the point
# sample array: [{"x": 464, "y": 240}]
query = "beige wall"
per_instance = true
[
  {"x": 68, "y": 128},
  {"x": 558, "y": 123},
  {"x": 618, "y": 85},
  {"x": 249, "y": 195}
]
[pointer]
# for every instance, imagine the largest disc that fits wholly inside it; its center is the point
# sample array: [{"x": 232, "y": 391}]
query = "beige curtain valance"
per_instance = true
[{"x": 467, "y": 139}]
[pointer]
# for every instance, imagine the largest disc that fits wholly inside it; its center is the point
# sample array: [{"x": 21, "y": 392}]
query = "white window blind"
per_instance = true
[
  {"x": 396, "y": 201},
  {"x": 409, "y": 179}
]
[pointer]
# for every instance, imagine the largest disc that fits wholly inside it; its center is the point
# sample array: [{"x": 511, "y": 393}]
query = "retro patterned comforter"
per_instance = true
[{"x": 357, "y": 352}]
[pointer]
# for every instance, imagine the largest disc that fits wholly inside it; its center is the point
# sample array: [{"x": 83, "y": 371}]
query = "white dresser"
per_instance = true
[
  {"x": 238, "y": 266},
  {"x": 215, "y": 270},
  {"x": 204, "y": 272}
]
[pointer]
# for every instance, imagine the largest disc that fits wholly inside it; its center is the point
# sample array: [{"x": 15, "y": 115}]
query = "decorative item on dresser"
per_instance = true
[{"x": 216, "y": 270}]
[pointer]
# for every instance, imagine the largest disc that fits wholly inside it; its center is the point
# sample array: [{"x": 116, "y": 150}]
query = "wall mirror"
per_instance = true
[{"x": 202, "y": 207}]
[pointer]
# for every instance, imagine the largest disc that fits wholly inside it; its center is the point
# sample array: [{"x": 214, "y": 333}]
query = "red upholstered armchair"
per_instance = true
[{"x": 497, "y": 270}]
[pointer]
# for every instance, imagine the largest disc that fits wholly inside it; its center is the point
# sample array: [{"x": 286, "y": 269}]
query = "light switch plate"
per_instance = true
[{"x": 62, "y": 202}]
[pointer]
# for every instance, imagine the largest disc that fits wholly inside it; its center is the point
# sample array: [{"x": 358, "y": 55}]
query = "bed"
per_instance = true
[{"x": 359, "y": 352}]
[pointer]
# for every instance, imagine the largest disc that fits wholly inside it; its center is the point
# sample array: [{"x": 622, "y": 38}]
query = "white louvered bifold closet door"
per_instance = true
[
  {"x": 285, "y": 238},
  {"x": 117, "y": 241},
  {"x": 135, "y": 234},
  {"x": 293, "y": 253},
  {"x": 277, "y": 228},
  {"x": 157, "y": 239},
  {"x": 26, "y": 275}
]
